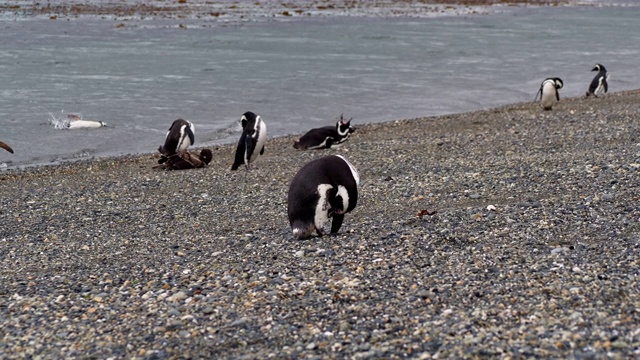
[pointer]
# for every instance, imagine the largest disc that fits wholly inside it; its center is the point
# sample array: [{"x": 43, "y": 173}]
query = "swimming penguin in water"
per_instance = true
[
  {"x": 548, "y": 92},
  {"x": 252, "y": 140},
  {"x": 179, "y": 137},
  {"x": 76, "y": 122},
  {"x": 326, "y": 137},
  {"x": 6, "y": 147},
  {"x": 185, "y": 160},
  {"x": 599, "y": 84},
  {"x": 323, "y": 188}
]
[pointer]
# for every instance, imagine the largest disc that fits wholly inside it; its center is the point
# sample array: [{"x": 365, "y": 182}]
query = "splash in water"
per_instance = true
[{"x": 62, "y": 121}]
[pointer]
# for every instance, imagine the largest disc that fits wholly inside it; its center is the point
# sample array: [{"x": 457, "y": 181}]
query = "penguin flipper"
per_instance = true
[
  {"x": 605, "y": 84},
  {"x": 336, "y": 223},
  {"x": 557, "y": 95},
  {"x": 262, "y": 151}
]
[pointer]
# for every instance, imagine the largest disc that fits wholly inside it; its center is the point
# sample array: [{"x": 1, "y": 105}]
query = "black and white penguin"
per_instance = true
[
  {"x": 179, "y": 137},
  {"x": 548, "y": 92},
  {"x": 252, "y": 140},
  {"x": 76, "y": 122},
  {"x": 325, "y": 137},
  {"x": 6, "y": 147},
  {"x": 323, "y": 188},
  {"x": 599, "y": 84}
]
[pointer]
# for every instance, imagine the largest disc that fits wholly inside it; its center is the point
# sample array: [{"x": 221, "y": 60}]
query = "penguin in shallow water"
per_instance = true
[
  {"x": 76, "y": 122},
  {"x": 323, "y": 188},
  {"x": 6, "y": 147},
  {"x": 179, "y": 137},
  {"x": 252, "y": 140},
  {"x": 599, "y": 83},
  {"x": 326, "y": 137},
  {"x": 548, "y": 92}
]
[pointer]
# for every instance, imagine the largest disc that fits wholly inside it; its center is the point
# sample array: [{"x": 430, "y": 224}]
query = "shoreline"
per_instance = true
[
  {"x": 137, "y": 157},
  {"x": 530, "y": 247}
]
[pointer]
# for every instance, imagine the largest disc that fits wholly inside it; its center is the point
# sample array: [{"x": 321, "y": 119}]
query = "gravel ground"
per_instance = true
[
  {"x": 241, "y": 11},
  {"x": 533, "y": 250}
]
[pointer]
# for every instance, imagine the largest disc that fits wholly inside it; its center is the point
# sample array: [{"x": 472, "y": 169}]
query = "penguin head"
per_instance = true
[
  {"x": 102, "y": 123},
  {"x": 599, "y": 67},
  {"x": 343, "y": 126},
  {"x": 558, "y": 83},
  {"x": 206, "y": 155},
  {"x": 246, "y": 118},
  {"x": 301, "y": 230}
]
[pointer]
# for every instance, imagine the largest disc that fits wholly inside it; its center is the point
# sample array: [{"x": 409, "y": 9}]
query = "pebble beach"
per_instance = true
[{"x": 503, "y": 233}]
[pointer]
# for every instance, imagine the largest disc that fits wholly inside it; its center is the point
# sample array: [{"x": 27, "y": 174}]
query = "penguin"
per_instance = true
[
  {"x": 184, "y": 160},
  {"x": 326, "y": 137},
  {"x": 548, "y": 92},
  {"x": 76, "y": 122},
  {"x": 252, "y": 140},
  {"x": 6, "y": 147},
  {"x": 179, "y": 137},
  {"x": 599, "y": 83},
  {"x": 323, "y": 188}
]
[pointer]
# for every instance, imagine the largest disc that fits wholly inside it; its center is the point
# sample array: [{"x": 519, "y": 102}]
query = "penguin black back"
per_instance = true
[
  {"x": 179, "y": 137},
  {"x": 323, "y": 188},
  {"x": 599, "y": 84},
  {"x": 252, "y": 140}
]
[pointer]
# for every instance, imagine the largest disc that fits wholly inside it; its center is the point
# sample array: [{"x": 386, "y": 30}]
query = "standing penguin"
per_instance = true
[
  {"x": 548, "y": 92},
  {"x": 599, "y": 83},
  {"x": 326, "y": 137},
  {"x": 252, "y": 140},
  {"x": 179, "y": 137},
  {"x": 6, "y": 147},
  {"x": 323, "y": 188}
]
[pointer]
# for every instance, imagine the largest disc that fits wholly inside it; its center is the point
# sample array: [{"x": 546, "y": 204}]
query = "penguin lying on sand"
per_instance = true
[
  {"x": 76, "y": 122},
  {"x": 252, "y": 140},
  {"x": 599, "y": 84},
  {"x": 6, "y": 147},
  {"x": 184, "y": 160},
  {"x": 325, "y": 137},
  {"x": 548, "y": 92},
  {"x": 323, "y": 188},
  {"x": 179, "y": 137}
]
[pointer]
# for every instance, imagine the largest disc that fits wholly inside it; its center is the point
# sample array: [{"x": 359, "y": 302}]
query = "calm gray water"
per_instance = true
[{"x": 296, "y": 74}]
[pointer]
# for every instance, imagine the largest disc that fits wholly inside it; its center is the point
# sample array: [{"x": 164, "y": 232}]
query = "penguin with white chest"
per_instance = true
[
  {"x": 179, "y": 137},
  {"x": 548, "y": 92},
  {"x": 599, "y": 85},
  {"x": 326, "y": 137},
  {"x": 252, "y": 140},
  {"x": 76, "y": 122},
  {"x": 322, "y": 189}
]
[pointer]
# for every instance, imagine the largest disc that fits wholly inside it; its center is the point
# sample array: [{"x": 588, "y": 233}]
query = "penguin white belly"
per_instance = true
[
  {"x": 262, "y": 139},
  {"x": 548, "y": 95},
  {"x": 322, "y": 207},
  {"x": 85, "y": 124}
]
